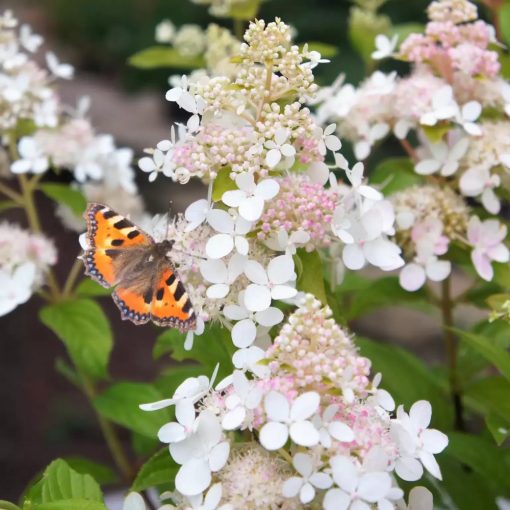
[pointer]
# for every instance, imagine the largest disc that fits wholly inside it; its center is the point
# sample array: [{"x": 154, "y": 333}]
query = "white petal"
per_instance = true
[
  {"x": 219, "y": 456},
  {"x": 341, "y": 431},
  {"x": 273, "y": 435},
  {"x": 438, "y": 270},
  {"x": 219, "y": 246},
  {"x": 269, "y": 317},
  {"x": 283, "y": 292},
  {"x": 408, "y": 469},
  {"x": 214, "y": 271},
  {"x": 280, "y": 270},
  {"x": 154, "y": 406},
  {"x": 427, "y": 167},
  {"x": 434, "y": 441},
  {"x": 257, "y": 298},
  {"x": 221, "y": 221},
  {"x": 233, "y": 198},
  {"x": 273, "y": 157},
  {"x": 235, "y": 312},
  {"x": 134, "y": 502},
  {"x": 277, "y": 406},
  {"x": 304, "y": 406},
  {"x": 267, "y": 189},
  {"x": 242, "y": 245},
  {"x": 374, "y": 486},
  {"x": 217, "y": 291},
  {"x": 321, "y": 480},
  {"x": 431, "y": 465},
  {"x": 490, "y": 201},
  {"x": 353, "y": 257},
  {"x": 412, "y": 277},
  {"x": 420, "y": 498},
  {"x": 336, "y": 499},
  {"x": 255, "y": 272},
  {"x": 307, "y": 493},
  {"x": 319, "y": 172},
  {"x": 244, "y": 333},
  {"x": 472, "y": 110},
  {"x": 171, "y": 433},
  {"x": 251, "y": 208},
  {"x": 213, "y": 497},
  {"x": 291, "y": 487},
  {"x": 421, "y": 414},
  {"x": 304, "y": 433},
  {"x": 193, "y": 477},
  {"x": 197, "y": 211},
  {"x": 303, "y": 464}
]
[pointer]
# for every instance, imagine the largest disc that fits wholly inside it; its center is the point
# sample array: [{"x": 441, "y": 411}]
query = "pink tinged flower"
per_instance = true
[
  {"x": 478, "y": 181},
  {"x": 376, "y": 132},
  {"x": 282, "y": 241},
  {"x": 200, "y": 454},
  {"x": 269, "y": 284},
  {"x": 232, "y": 232},
  {"x": 417, "y": 444},
  {"x": 310, "y": 479},
  {"x": 355, "y": 176},
  {"x": 16, "y": 287},
  {"x": 222, "y": 275},
  {"x": 444, "y": 107},
  {"x": 245, "y": 397},
  {"x": 250, "y": 197},
  {"x": 32, "y": 159},
  {"x": 330, "y": 429},
  {"x": 190, "y": 391},
  {"x": 285, "y": 419},
  {"x": 279, "y": 147},
  {"x": 384, "y": 46},
  {"x": 487, "y": 240},
  {"x": 444, "y": 159},
  {"x": 357, "y": 490},
  {"x": 249, "y": 359},
  {"x": 467, "y": 116},
  {"x": 64, "y": 71},
  {"x": 413, "y": 276}
]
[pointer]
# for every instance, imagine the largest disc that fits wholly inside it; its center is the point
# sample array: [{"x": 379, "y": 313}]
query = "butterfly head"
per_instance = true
[{"x": 164, "y": 246}]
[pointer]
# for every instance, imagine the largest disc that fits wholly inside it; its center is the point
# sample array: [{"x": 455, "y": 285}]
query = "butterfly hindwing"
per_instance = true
[
  {"x": 107, "y": 234},
  {"x": 133, "y": 306},
  {"x": 171, "y": 305}
]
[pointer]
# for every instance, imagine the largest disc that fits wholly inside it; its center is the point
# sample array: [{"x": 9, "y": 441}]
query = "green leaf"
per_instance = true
[
  {"x": 65, "y": 195},
  {"x": 144, "y": 446},
  {"x": 490, "y": 396},
  {"x": 499, "y": 428},
  {"x": 83, "y": 327},
  {"x": 212, "y": 347},
  {"x": 101, "y": 473},
  {"x": 5, "y": 505},
  {"x": 90, "y": 288},
  {"x": 120, "y": 404},
  {"x": 160, "y": 469},
  {"x": 164, "y": 56},
  {"x": 63, "y": 488},
  {"x": 408, "y": 379},
  {"x": 482, "y": 456},
  {"x": 504, "y": 22},
  {"x": 404, "y": 30},
  {"x": 326, "y": 50},
  {"x": 489, "y": 350},
  {"x": 244, "y": 11},
  {"x": 168, "y": 381},
  {"x": 222, "y": 183},
  {"x": 501, "y": 274},
  {"x": 436, "y": 133},
  {"x": 166, "y": 342},
  {"x": 310, "y": 278},
  {"x": 395, "y": 174}
]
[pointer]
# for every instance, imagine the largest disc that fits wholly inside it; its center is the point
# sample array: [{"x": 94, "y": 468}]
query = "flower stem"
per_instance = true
[
  {"x": 238, "y": 28},
  {"x": 447, "y": 305},
  {"x": 73, "y": 275},
  {"x": 10, "y": 193},
  {"x": 109, "y": 432},
  {"x": 409, "y": 149}
]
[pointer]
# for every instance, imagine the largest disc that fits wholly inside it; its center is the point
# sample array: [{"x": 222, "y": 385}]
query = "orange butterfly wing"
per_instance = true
[
  {"x": 107, "y": 234},
  {"x": 132, "y": 305},
  {"x": 171, "y": 306}
]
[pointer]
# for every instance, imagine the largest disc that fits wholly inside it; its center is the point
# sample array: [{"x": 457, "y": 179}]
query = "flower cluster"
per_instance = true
[
  {"x": 317, "y": 427},
  {"x": 24, "y": 260},
  {"x": 454, "y": 103},
  {"x": 40, "y": 134},
  {"x": 324, "y": 430}
]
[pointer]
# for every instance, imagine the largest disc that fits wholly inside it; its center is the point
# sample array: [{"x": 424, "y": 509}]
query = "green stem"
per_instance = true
[
  {"x": 239, "y": 28},
  {"x": 109, "y": 432},
  {"x": 451, "y": 353},
  {"x": 73, "y": 275},
  {"x": 10, "y": 193}
]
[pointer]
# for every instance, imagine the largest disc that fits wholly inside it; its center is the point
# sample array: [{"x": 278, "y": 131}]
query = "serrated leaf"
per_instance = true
[
  {"x": 498, "y": 356},
  {"x": 395, "y": 174},
  {"x": 408, "y": 379},
  {"x": 490, "y": 396},
  {"x": 83, "y": 327},
  {"x": 310, "y": 278},
  {"x": 65, "y": 195},
  {"x": 160, "y": 469},
  {"x": 222, "y": 183},
  {"x": 164, "y": 56},
  {"x": 101, "y": 473},
  {"x": 120, "y": 404}
]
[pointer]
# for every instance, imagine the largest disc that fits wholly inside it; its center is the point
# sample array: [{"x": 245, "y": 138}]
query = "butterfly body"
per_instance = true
[{"x": 147, "y": 287}]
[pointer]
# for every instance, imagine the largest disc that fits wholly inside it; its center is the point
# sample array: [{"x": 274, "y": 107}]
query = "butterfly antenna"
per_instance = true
[{"x": 169, "y": 215}]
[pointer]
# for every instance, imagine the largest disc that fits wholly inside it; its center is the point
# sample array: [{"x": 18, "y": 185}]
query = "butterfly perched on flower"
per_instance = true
[{"x": 147, "y": 287}]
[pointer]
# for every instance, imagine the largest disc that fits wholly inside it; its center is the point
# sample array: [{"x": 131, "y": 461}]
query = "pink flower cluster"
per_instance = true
[
  {"x": 301, "y": 205},
  {"x": 450, "y": 48}
]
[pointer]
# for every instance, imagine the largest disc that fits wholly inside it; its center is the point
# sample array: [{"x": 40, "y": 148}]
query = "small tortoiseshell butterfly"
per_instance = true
[{"x": 146, "y": 284}]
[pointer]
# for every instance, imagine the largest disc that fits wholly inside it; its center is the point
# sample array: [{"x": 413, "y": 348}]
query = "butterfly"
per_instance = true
[{"x": 147, "y": 287}]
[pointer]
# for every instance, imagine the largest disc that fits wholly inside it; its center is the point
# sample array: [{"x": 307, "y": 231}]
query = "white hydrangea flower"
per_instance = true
[
  {"x": 279, "y": 147},
  {"x": 60, "y": 70},
  {"x": 16, "y": 287},
  {"x": 330, "y": 429},
  {"x": 467, "y": 115},
  {"x": 478, "y": 181},
  {"x": 444, "y": 107},
  {"x": 384, "y": 46},
  {"x": 222, "y": 275},
  {"x": 32, "y": 159},
  {"x": 310, "y": 479},
  {"x": 211, "y": 501},
  {"x": 232, "y": 232},
  {"x": 444, "y": 159},
  {"x": 417, "y": 443},
  {"x": 289, "y": 419},
  {"x": 165, "y": 31},
  {"x": 249, "y": 359}
]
